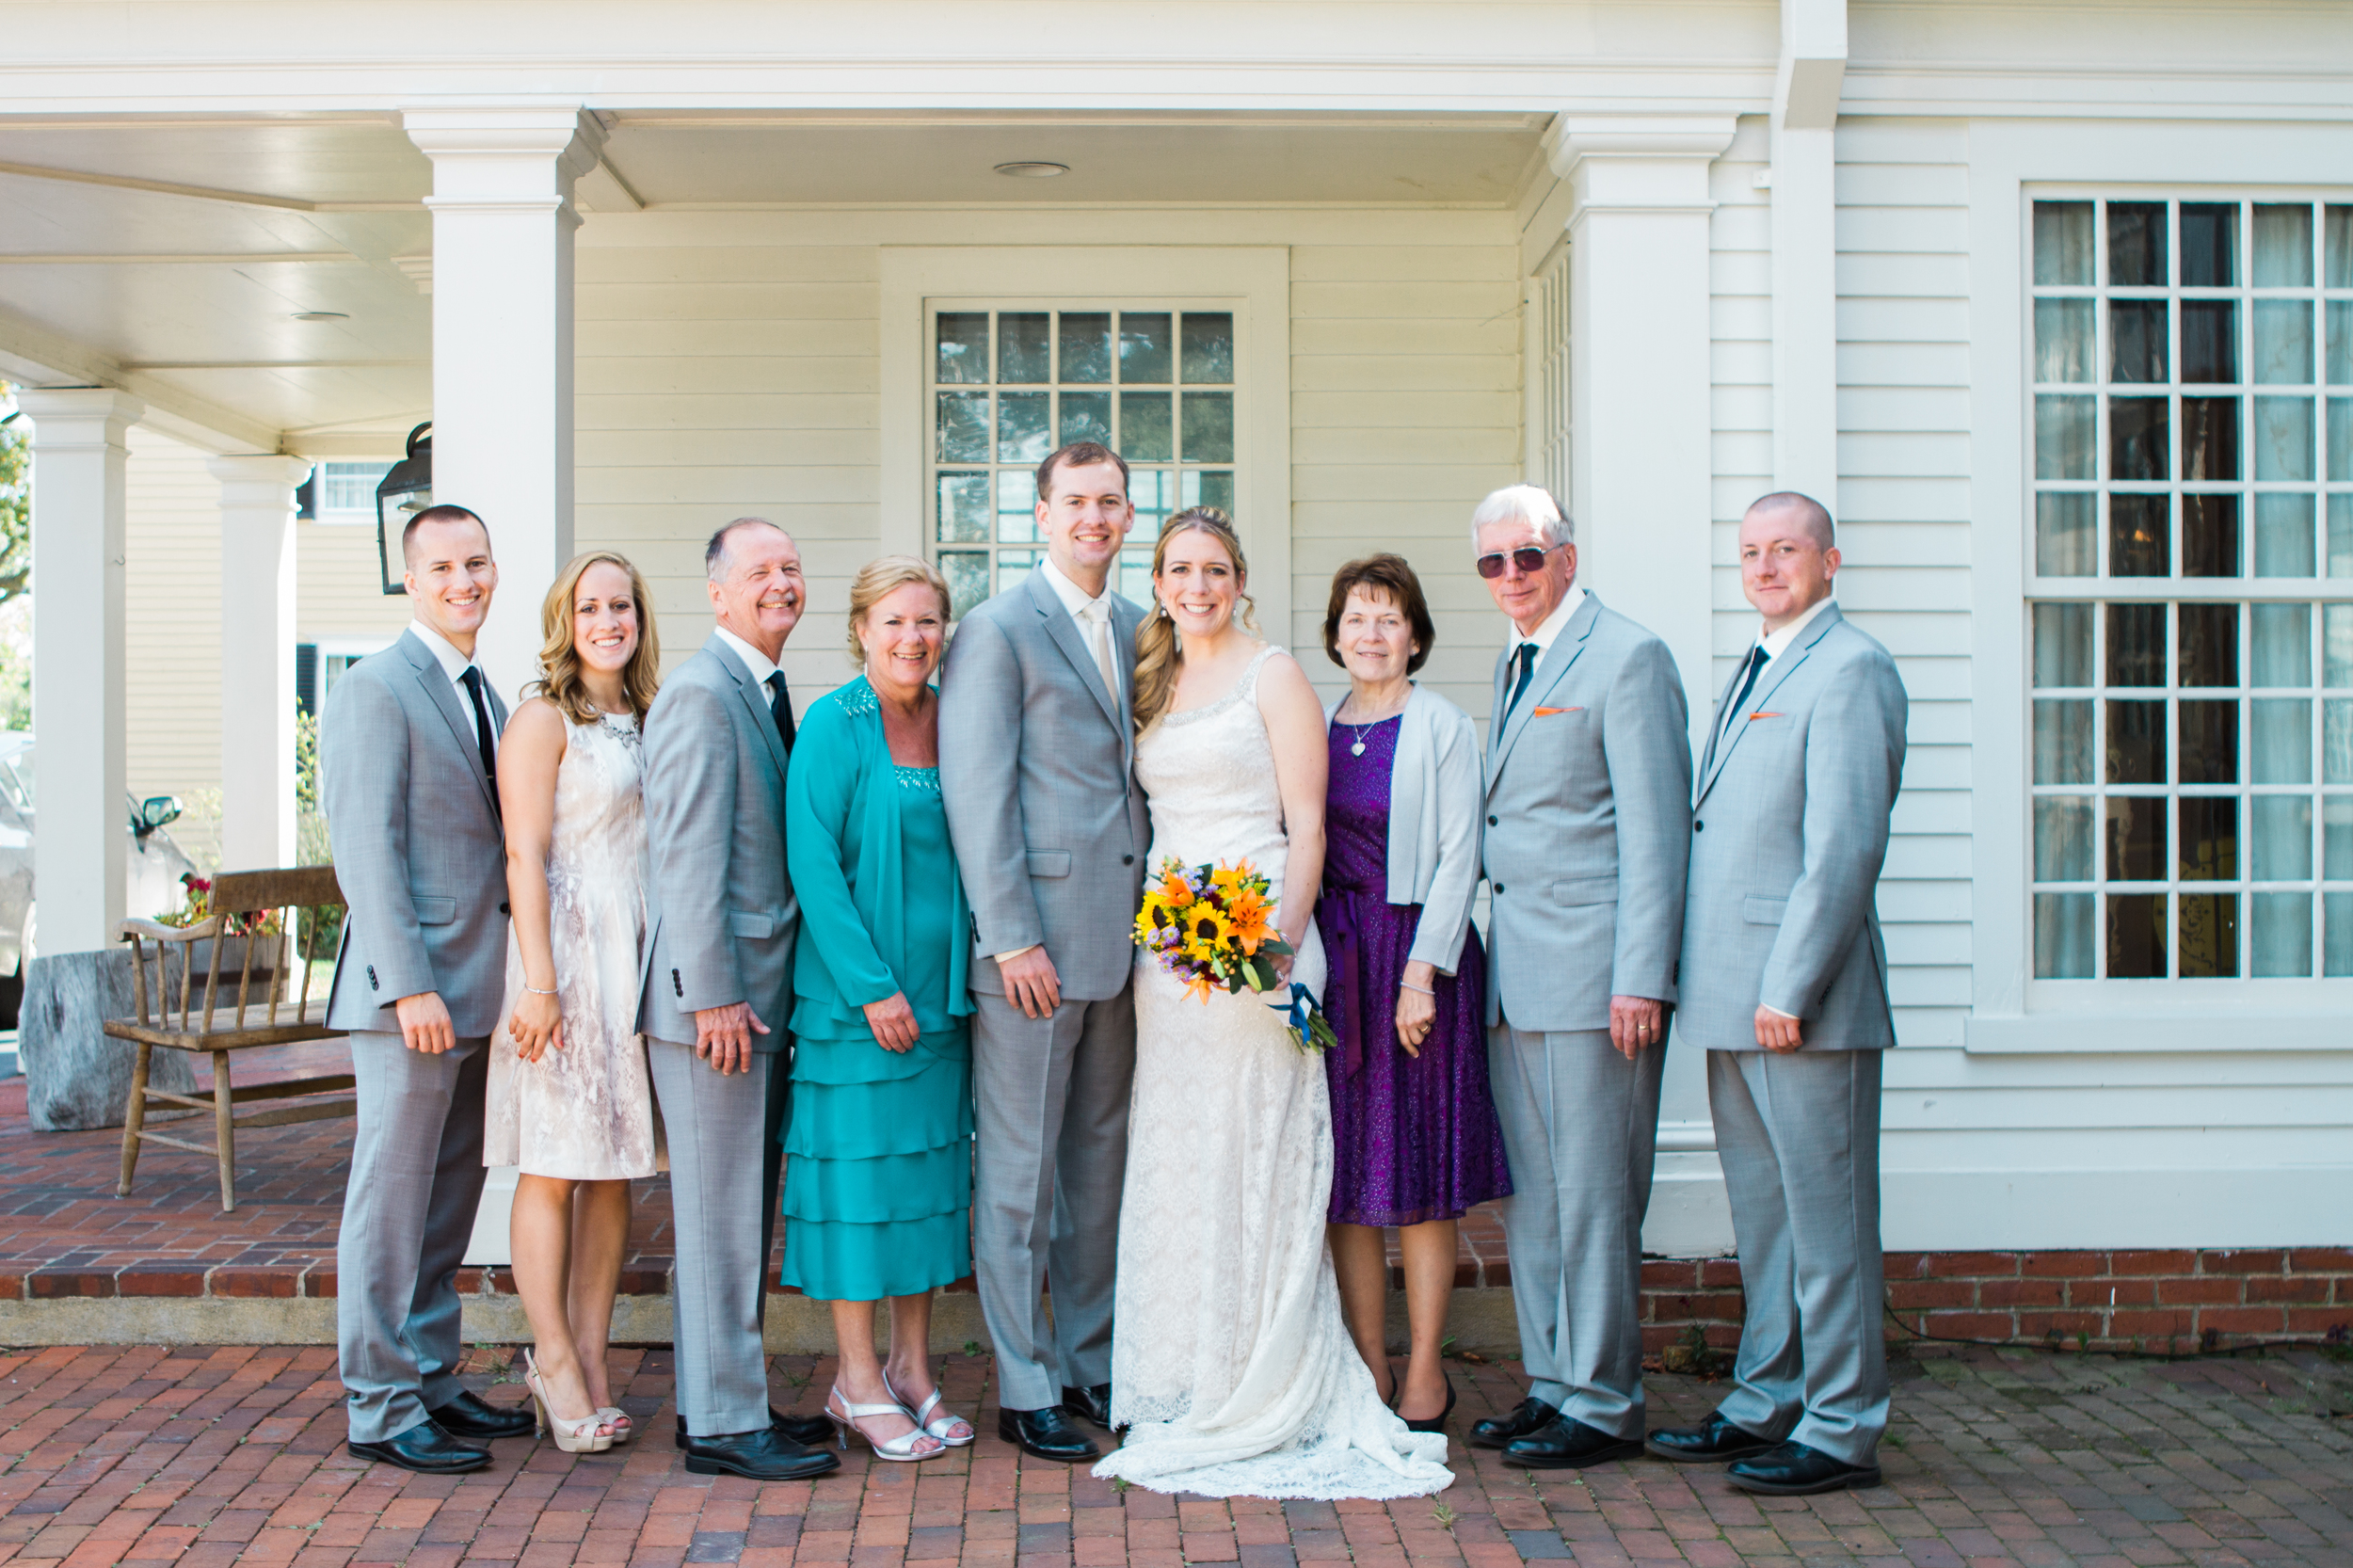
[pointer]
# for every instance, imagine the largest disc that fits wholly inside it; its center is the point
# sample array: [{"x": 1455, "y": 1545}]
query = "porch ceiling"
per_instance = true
[{"x": 173, "y": 256}]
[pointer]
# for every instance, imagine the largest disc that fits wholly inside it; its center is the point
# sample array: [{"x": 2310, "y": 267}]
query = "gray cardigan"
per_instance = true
[{"x": 1435, "y": 787}]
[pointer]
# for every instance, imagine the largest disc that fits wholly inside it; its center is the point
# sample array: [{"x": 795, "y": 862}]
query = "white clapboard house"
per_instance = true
[{"x": 2051, "y": 305}]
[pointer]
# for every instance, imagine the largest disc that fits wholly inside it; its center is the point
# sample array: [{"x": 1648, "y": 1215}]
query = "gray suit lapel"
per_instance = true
[
  {"x": 1066, "y": 636},
  {"x": 1550, "y": 671},
  {"x": 442, "y": 695},
  {"x": 755, "y": 696},
  {"x": 1727, "y": 732}
]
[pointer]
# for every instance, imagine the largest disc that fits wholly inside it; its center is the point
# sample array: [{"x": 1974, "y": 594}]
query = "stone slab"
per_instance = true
[{"x": 76, "y": 1077}]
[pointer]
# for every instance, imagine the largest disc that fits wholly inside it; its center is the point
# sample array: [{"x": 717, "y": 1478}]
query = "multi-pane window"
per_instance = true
[
  {"x": 346, "y": 491},
  {"x": 2192, "y": 583},
  {"x": 1010, "y": 387}
]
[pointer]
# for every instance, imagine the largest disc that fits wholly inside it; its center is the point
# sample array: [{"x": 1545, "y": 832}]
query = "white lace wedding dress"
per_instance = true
[{"x": 1229, "y": 1351}]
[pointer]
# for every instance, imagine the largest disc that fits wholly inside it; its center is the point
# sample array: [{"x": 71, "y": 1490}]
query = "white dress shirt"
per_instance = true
[
  {"x": 455, "y": 664},
  {"x": 758, "y": 663},
  {"x": 1547, "y": 631},
  {"x": 1093, "y": 616}
]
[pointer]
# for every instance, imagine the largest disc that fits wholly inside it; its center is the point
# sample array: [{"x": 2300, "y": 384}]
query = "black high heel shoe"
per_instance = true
[{"x": 1437, "y": 1423}]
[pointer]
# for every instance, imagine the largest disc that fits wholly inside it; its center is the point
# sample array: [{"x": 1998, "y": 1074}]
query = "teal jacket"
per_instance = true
[{"x": 844, "y": 826}]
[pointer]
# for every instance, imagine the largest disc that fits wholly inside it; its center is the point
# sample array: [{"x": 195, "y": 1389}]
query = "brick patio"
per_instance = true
[{"x": 206, "y": 1457}]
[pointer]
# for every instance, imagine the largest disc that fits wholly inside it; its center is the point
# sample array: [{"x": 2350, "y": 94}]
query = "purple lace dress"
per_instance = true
[{"x": 1415, "y": 1137}]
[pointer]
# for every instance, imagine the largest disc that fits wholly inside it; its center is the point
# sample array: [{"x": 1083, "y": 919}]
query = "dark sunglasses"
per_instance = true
[{"x": 1529, "y": 558}]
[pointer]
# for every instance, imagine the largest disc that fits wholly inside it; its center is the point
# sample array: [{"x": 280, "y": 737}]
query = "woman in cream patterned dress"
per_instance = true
[
  {"x": 568, "y": 1099},
  {"x": 1229, "y": 1356}
]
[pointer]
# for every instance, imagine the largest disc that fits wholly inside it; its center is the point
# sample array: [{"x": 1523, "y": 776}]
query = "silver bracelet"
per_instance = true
[
  {"x": 1423, "y": 989},
  {"x": 536, "y": 992}
]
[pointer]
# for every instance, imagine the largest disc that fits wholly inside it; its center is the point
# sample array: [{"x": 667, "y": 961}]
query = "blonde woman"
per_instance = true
[
  {"x": 1229, "y": 1356},
  {"x": 878, "y": 1157},
  {"x": 568, "y": 1097}
]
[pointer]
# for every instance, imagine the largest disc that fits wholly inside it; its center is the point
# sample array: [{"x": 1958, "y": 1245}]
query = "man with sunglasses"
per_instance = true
[{"x": 1588, "y": 832}]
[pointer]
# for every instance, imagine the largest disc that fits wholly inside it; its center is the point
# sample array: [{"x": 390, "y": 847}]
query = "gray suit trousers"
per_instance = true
[
  {"x": 715, "y": 1122},
  {"x": 1798, "y": 1135},
  {"x": 1051, "y": 1155},
  {"x": 409, "y": 1205},
  {"x": 1579, "y": 1125}
]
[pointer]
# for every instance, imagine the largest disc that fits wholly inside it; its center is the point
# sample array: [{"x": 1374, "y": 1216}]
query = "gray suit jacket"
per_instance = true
[
  {"x": 1587, "y": 829},
  {"x": 720, "y": 914},
  {"x": 417, "y": 844},
  {"x": 1787, "y": 841},
  {"x": 1037, "y": 768}
]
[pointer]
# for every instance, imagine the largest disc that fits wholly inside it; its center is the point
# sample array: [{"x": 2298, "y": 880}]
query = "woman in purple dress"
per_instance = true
[{"x": 1417, "y": 1142}]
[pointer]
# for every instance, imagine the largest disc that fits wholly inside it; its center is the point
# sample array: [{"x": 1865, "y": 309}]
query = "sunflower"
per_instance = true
[{"x": 1208, "y": 932}]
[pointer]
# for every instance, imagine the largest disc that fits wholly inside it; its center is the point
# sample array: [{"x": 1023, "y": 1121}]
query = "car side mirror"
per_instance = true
[{"x": 155, "y": 812}]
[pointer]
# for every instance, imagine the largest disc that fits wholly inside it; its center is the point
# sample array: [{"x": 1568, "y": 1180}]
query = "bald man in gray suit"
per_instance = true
[
  {"x": 1785, "y": 986},
  {"x": 1587, "y": 774}
]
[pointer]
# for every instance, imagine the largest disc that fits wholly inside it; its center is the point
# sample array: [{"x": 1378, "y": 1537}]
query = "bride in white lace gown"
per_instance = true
[{"x": 1229, "y": 1356}]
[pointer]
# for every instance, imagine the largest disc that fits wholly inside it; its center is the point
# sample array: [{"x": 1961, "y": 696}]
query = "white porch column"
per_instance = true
[
  {"x": 257, "y": 659},
  {"x": 1639, "y": 369},
  {"x": 502, "y": 222},
  {"x": 81, "y": 835},
  {"x": 1805, "y": 247}
]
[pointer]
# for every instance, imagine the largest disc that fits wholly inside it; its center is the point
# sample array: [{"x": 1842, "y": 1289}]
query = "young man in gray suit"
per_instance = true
[
  {"x": 717, "y": 990},
  {"x": 1036, "y": 764},
  {"x": 1785, "y": 984},
  {"x": 1587, "y": 773},
  {"x": 409, "y": 761}
]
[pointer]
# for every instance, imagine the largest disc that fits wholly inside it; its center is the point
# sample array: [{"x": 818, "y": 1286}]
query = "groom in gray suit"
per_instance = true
[
  {"x": 717, "y": 990},
  {"x": 1587, "y": 774},
  {"x": 1785, "y": 986},
  {"x": 1036, "y": 765},
  {"x": 409, "y": 761}
]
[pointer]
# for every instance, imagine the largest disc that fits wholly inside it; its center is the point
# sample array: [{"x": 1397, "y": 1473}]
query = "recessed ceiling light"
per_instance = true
[
  {"x": 322, "y": 315},
  {"x": 1033, "y": 170}
]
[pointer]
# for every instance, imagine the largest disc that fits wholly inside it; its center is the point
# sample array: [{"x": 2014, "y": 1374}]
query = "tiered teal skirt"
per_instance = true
[{"x": 878, "y": 1167}]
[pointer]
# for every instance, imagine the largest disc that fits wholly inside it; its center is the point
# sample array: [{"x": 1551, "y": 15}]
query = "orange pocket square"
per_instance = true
[
  {"x": 1753, "y": 717},
  {"x": 1547, "y": 712}
]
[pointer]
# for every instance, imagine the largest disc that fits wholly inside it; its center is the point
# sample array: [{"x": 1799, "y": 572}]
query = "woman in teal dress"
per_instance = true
[{"x": 878, "y": 1154}]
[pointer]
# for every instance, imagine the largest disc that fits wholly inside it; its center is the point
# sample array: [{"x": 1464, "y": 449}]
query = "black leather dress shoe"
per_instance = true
[
  {"x": 763, "y": 1455},
  {"x": 1714, "y": 1441},
  {"x": 1500, "y": 1431},
  {"x": 1567, "y": 1444},
  {"x": 470, "y": 1415},
  {"x": 1092, "y": 1403},
  {"x": 809, "y": 1432},
  {"x": 428, "y": 1450},
  {"x": 1795, "y": 1470},
  {"x": 1047, "y": 1434}
]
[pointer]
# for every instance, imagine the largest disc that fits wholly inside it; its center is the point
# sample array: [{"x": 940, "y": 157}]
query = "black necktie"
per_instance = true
[
  {"x": 472, "y": 678},
  {"x": 780, "y": 704},
  {"x": 1757, "y": 660},
  {"x": 1528, "y": 671}
]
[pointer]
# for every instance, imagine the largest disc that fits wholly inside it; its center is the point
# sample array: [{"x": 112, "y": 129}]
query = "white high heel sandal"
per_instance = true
[
  {"x": 902, "y": 1449},
  {"x": 585, "y": 1436},
  {"x": 943, "y": 1427}
]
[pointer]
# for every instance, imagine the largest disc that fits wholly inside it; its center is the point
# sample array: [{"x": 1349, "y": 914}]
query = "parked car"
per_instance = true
[{"x": 152, "y": 878}]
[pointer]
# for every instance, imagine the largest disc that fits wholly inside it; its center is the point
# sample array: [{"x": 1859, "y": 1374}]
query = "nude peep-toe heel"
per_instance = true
[
  {"x": 617, "y": 1420},
  {"x": 943, "y": 1426},
  {"x": 902, "y": 1450},
  {"x": 584, "y": 1437}
]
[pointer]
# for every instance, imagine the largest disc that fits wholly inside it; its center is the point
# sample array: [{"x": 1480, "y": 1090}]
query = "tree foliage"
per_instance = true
[{"x": 16, "y": 506}]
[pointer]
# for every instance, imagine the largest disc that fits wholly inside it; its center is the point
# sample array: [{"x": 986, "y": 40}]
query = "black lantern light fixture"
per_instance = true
[{"x": 406, "y": 490}]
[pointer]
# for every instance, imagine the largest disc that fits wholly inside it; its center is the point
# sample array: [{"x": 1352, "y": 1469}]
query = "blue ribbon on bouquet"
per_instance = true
[{"x": 1300, "y": 1013}]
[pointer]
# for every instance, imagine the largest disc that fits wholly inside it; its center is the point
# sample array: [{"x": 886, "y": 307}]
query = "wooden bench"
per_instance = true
[{"x": 248, "y": 945}]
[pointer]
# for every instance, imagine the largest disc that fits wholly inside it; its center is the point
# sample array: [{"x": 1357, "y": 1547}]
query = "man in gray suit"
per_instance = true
[
  {"x": 1785, "y": 984},
  {"x": 409, "y": 761},
  {"x": 1036, "y": 764},
  {"x": 717, "y": 989},
  {"x": 1587, "y": 773}
]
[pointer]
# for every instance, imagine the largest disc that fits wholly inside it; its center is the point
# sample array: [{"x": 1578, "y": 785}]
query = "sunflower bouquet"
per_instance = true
[{"x": 1213, "y": 928}]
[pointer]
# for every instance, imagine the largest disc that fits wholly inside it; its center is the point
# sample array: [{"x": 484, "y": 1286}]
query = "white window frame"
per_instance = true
[
  {"x": 2013, "y": 164},
  {"x": 1251, "y": 281},
  {"x": 365, "y": 516}
]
